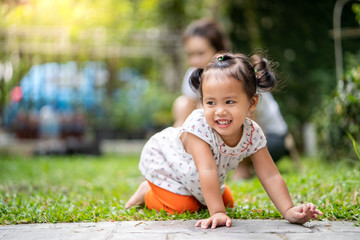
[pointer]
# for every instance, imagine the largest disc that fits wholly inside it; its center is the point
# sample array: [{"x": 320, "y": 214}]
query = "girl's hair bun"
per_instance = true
[
  {"x": 195, "y": 78},
  {"x": 264, "y": 74}
]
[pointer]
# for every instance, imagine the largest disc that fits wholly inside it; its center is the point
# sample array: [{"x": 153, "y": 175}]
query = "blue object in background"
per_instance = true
[{"x": 63, "y": 91}]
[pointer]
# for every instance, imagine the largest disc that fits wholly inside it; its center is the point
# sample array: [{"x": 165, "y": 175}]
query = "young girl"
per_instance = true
[{"x": 185, "y": 167}]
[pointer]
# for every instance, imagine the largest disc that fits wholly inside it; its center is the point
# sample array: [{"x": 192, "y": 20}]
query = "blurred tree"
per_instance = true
[
  {"x": 356, "y": 9},
  {"x": 295, "y": 34},
  {"x": 141, "y": 34},
  {"x": 125, "y": 22},
  {"x": 174, "y": 16},
  {"x": 337, "y": 119}
]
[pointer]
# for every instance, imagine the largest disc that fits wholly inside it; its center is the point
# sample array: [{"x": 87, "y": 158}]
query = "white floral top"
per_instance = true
[{"x": 165, "y": 163}]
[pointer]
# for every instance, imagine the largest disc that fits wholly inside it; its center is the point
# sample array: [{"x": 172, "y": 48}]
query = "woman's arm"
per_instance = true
[
  {"x": 209, "y": 181},
  {"x": 277, "y": 190}
]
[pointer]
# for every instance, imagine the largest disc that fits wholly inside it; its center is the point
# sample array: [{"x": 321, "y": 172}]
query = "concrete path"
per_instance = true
[{"x": 166, "y": 230}]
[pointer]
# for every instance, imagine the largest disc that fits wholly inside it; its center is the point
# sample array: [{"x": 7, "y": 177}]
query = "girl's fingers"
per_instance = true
[
  {"x": 228, "y": 222},
  {"x": 315, "y": 212},
  {"x": 312, "y": 207},
  {"x": 198, "y": 223},
  {"x": 205, "y": 223},
  {"x": 214, "y": 224},
  {"x": 300, "y": 209},
  {"x": 305, "y": 208},
  {"x": 318, "y": 212},
  {"x": 304, "y": 213}
]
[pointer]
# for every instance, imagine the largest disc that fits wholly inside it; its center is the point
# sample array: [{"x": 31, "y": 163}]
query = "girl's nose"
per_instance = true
[{"x": 220, "y": 111}]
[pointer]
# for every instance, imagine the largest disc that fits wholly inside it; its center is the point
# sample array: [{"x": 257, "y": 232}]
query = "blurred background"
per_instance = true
[{"x": 75, "y": 74}]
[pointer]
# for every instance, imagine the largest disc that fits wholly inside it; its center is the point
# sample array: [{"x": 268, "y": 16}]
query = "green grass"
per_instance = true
[{"x": 80, "y": 188}]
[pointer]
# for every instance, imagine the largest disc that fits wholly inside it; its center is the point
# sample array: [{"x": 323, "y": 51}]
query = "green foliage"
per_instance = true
[
  {"x": 79, "y": 15},
  {"x": 355, "y": 145},
  {"x": 302, "y": 47},
  {"x": 137, "y": 110},
  {"x": 88, "y": 26},
  {"x": 356, "y": 10},
  {"x": 339, "y": 116},
  {"x": 78, "y": 189},
  {"x": 118, "y": 17}
]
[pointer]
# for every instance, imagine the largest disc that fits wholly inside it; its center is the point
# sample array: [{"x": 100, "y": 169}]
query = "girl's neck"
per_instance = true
[{"x": 234, "y": 139}]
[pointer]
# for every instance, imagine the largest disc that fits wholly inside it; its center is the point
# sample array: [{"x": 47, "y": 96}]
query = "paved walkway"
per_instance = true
[{"x": 166, "y": 230}]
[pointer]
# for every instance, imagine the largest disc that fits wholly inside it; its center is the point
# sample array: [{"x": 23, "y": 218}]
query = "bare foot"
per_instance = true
[{"x": 139, "y": 196}]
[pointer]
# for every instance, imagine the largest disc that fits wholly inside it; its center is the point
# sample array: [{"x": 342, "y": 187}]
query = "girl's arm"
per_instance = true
[
  {"x": 209, "y": 181},
  {"x": 277, "y": 190}
]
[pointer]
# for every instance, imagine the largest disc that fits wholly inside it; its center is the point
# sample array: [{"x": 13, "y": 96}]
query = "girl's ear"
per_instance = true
[{"x": 253, "y": 102}]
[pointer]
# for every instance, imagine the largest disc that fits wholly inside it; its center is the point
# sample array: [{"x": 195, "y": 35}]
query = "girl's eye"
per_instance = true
[
  {"x": 210, "y": 103},
  {"x": 230, "y": 102}
]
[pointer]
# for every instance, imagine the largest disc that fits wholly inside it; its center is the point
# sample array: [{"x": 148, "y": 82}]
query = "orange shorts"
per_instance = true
[{"x": 158, "y": 198}]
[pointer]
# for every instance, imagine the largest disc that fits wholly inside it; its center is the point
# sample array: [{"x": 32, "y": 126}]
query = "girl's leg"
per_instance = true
[
  {"x": 138, "y": 197},
  {"x": 158, "y": 198},
  {"x": 228, "y": 197}
]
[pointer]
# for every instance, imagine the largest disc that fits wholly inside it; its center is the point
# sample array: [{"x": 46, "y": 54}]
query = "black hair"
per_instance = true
[{"x": 255, "y": 72}]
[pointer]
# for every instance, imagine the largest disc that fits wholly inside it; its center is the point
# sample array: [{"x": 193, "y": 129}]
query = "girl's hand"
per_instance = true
[
  {"x": 303, "y": 213},
  {"x": 218, "y": 219}
]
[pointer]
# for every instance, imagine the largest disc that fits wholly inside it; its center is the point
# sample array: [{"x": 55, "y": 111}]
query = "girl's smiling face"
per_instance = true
[{"x": 226, "y": 106}]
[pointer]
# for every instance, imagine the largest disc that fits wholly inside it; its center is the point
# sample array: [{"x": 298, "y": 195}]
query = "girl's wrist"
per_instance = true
[
  {"x": 215, "y": 212},
  {"x": 288, "y": 215}
]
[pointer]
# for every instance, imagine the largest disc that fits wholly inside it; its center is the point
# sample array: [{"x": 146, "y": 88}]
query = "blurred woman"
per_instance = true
[{"x": 202, "y": 39}]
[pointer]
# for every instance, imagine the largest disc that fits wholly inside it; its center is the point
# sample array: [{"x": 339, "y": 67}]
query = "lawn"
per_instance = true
[{"x": 81, "y": 188}]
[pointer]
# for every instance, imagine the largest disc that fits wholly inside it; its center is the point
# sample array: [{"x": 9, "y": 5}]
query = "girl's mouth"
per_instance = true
[{"x": 223, "y": 123}]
